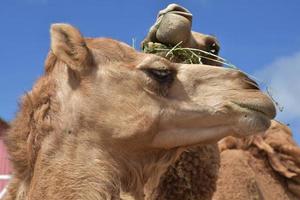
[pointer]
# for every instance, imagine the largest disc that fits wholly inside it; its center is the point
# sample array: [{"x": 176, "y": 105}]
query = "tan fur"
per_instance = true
[
  {"x": 69, "y": 46},
  {"x": 93, "y": 130}
]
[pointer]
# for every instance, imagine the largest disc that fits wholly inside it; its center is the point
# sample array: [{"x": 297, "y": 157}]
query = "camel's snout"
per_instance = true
[
  {"x": 254, "y": 100},
  {"x": 262, "y": 106}
]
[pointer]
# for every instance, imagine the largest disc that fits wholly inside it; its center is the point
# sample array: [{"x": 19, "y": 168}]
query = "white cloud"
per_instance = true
[{"x": 283, "y": 78}]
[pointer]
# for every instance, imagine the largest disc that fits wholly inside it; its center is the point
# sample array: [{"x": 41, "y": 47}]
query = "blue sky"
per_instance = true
[{"x": 260, "y": 37}]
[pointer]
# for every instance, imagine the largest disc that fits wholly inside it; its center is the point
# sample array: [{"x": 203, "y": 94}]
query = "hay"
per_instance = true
[{"x": 183, "y": 54}]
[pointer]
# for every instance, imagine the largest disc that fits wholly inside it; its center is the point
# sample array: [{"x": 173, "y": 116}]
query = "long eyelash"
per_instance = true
[{"x": 162, "y": 76}]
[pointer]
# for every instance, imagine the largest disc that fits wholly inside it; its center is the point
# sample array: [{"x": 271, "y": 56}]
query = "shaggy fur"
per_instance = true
[
  {"x": 192, "y": 177},
  {"x": 278, "y": 152}
]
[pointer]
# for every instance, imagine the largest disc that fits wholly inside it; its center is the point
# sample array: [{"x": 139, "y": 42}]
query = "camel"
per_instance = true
[{"x": 106, "y": 120}]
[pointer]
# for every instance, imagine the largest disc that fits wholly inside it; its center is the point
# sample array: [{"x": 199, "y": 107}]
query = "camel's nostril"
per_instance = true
[
  {"x": 251, "y": 84},
  {"x": 247, "y": 83}
]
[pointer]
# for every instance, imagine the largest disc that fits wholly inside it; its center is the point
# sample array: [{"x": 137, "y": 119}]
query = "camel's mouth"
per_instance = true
[
  {"x": 184, "y": 14},
  {"x": 265, "y": 109},
  {"x": 178, "y": 12}
]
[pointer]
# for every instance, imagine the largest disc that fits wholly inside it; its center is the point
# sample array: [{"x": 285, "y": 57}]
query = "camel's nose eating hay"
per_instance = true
[{"x": 184, "y": 54}]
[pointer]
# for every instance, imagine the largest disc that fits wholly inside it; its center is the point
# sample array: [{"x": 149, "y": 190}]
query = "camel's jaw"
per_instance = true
[
  {"x": 189, "y": 124},
  {"x": 251, "y": 122},
  {"x": 255, "y": 114}
]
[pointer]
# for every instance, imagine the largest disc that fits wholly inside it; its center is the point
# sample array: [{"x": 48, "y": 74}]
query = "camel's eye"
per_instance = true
[
  {"x": 160, "y": 75},
  {"x": 214, "y": 48}
]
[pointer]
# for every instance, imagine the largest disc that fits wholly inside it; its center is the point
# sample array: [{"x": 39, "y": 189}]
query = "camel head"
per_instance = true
[
  {"x": 173, "y": 27},
  {"x": 134, "y": 100}
]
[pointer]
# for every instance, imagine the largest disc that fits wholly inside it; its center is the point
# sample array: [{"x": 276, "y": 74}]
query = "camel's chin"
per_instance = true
[{"x": 252, "y": 123}]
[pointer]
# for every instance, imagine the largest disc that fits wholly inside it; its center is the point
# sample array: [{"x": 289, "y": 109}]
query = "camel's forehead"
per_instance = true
[
  {"x": 107, "y": 43},
  {"x": 113, "y": 50},
  {"x": 116, "y": 51}
]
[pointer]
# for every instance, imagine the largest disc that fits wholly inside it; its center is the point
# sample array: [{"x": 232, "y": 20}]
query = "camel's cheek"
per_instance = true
[{"x": 125, "y": 110}]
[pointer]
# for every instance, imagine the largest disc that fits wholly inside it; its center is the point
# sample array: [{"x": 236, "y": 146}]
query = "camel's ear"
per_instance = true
[{"x": 69, "y": 46}]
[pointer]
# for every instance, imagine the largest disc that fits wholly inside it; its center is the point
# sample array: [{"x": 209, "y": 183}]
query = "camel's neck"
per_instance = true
[
  {"x": 108, "y": 170},
  {"x": 32, "y": 124},
  {"x": 142, "y": 172}
]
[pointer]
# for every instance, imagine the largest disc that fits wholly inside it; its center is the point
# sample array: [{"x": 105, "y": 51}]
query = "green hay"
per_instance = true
[{"x": 184, "y": 55}]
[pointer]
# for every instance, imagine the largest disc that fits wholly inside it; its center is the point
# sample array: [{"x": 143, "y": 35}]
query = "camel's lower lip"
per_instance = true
[{"x": 266, "y": 110}]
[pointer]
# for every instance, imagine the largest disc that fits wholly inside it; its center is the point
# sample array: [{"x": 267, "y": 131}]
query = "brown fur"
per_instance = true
[
  {"x": 279, "y": 154},
  {"x": 192, "y": 177}
]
